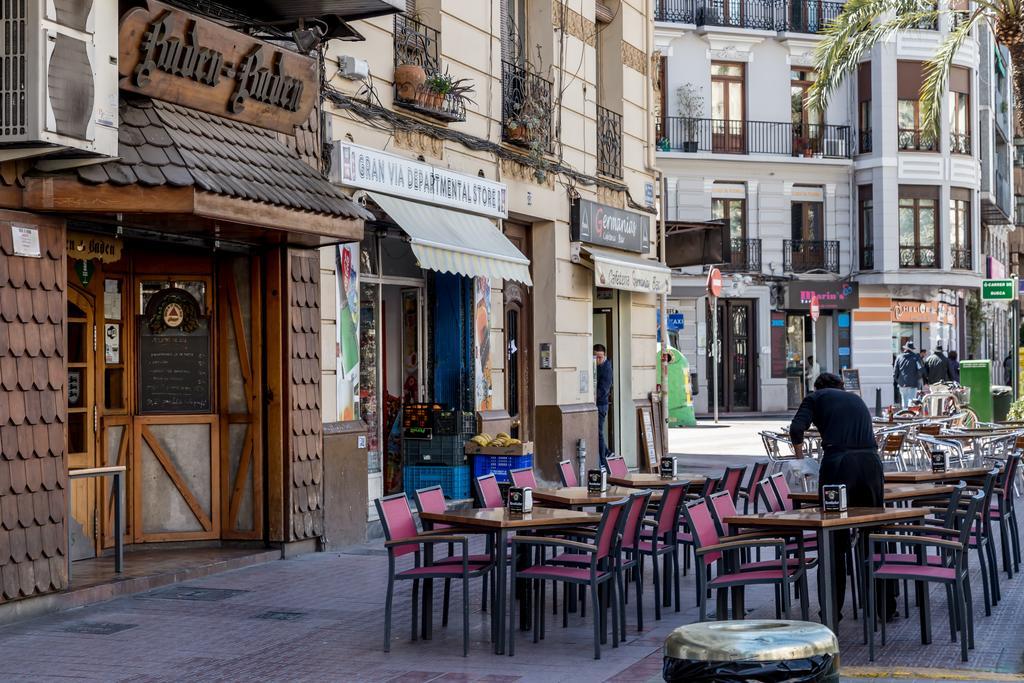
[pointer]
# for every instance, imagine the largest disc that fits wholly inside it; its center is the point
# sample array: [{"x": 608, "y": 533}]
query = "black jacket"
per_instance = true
[
  {"x": 937, "y": 368},
  {"x": 908, "y": 371}
]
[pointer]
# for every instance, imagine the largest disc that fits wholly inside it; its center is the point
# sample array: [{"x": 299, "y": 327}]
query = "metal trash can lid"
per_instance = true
[{"x": 750, "y": 640}]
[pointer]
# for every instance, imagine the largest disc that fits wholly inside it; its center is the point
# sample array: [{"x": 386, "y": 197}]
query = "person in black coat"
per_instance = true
[{"x": 850, "y": 456}]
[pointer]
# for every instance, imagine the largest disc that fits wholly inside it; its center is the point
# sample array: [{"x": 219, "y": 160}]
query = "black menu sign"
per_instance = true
[
  {"x": 174, "y": 356},
  {"x": 607, "y": 226}
]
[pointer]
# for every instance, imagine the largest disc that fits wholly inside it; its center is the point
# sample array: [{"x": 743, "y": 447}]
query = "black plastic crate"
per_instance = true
[{"x": 441, "y": 450}]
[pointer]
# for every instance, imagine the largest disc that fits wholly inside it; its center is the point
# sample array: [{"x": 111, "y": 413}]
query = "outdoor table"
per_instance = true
[
  {"x": 653, "y": 480},
  {"x": 927, "y": 476},
  {"x": 500, "y": 521},
  {"x": 893, "y": 493},
  {"x": 117, "y": 473},
  {"x": 795, "y": 522},
  {"x": 579, "y": 496},
  {"x": 974, "y": 438}
]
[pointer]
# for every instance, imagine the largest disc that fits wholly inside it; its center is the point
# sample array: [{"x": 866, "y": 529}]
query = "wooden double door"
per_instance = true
[
  {"x": 737, "y": 371},
  {"x": 164, "y": 376}
]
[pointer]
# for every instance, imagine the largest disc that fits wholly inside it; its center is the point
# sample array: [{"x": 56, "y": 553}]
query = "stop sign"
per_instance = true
[
  {"x": 715, "y": 282},
  {"x": 815, "y": 308}
]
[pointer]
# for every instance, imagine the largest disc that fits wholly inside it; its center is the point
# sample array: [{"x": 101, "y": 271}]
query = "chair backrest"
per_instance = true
[
  {"x": 711, "y": 484},
  {"x": 1009, "y": 473},
  {"x": 397, "y": 520},
  {"x": 722, "y": 506},
  {"x": 773, "y": 445},
  {"x": 488, "y": 492},
  {"x": 955, "y": 496},
  {"x": 568, "y": 473},
  {"x": 732, "y": 479},
  {"x": 702, "y": 526},
  {"x": 609, "y": 528},
  {"x": 987, "y": 488},
  {"x": 766, "y": 494},
  {"x": 757, "y": 472},
  {"x": 931, "y": 429},
  {"x": 975, "y": 505},
  {"x": 431, "y": 499},
  {"x": 617, "y": 466},
  {"x": 667, "y": 516},
  {"x": 634, "y": 517},
  {"x": 781, "y": 488},
  {"x": 523, "y": 477},
  {"x": 892, "y": 443}
]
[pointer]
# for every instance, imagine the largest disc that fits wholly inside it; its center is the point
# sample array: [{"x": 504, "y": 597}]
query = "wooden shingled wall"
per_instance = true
[
  {"x": 33, "y": 470},
  {"x": 305, "y": 437}
]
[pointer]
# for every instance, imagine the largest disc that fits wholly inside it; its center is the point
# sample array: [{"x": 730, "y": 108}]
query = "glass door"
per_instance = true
[
  {"x": 727, "y": 108},
  {"x": 81, "y": 420},
  {"x": 737, "y": 370}
]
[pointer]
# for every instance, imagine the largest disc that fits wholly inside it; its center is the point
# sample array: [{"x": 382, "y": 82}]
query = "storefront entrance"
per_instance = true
[
  {"x": 164, "y": 377},
  {"x": 737, "y": 373}
]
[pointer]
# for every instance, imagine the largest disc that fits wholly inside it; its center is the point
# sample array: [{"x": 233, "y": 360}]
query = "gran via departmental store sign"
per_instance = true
[
  {"x": 370, "y": 169},
  {"x": 607, "y": 226}
]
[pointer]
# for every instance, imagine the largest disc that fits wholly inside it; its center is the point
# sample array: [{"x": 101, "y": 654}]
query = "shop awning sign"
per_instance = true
[
  {"x": 617, "y": 270},
  {"x": 997, "y": 290},
  {"x": 832, "y": 295}
]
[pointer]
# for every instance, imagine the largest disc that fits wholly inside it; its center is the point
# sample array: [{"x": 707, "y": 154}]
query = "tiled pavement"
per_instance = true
[{"x": 320, "y": 618}]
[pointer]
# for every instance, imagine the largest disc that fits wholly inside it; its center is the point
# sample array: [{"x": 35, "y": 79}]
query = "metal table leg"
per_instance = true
[
  {"x": 119, "y": 522},
  {"x": 825, "y": 574},
  {"x": 498, "y": 618}
]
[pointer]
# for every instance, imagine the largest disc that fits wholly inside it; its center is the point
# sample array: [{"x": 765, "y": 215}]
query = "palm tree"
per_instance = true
[{"x": 863, "y": 23}]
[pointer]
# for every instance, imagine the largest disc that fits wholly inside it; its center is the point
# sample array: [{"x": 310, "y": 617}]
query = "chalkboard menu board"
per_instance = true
[
  {"x": 648, "y": 446},
  {"x": 851, "y": 380},
  {"x": 174, "y": 356}
]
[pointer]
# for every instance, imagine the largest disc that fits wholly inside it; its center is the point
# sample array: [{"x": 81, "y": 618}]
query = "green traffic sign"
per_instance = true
[{"x": 997, "y": 290}]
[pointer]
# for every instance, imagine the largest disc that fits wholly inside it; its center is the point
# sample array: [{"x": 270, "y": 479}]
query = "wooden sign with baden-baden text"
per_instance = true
[{"x": 179, "y": 57}]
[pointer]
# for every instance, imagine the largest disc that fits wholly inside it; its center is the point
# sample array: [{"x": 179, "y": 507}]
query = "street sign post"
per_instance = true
[
  {"x": 1002, "y": 289},
  {"x": 714, "y": 291},
  {"x": 715, "y": 282},
  {"x": 815, "y": 308}
]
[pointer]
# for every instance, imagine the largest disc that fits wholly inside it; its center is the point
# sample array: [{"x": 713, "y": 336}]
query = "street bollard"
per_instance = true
[
  {"x": 581, "y": 460},
  {"x": 878, "y": 401}
]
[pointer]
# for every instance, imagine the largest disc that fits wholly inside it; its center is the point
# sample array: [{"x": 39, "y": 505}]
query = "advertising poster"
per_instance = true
[
  {"x": 482, "y": 342},
  {"x": 348, "y": 332}
]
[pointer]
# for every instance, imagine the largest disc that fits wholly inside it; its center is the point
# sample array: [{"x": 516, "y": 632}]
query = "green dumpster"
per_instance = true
[
  {"x": 679, "y": 399},
  {"x": 1002, "y": 397},
  {"x": 977, "y": 375}
]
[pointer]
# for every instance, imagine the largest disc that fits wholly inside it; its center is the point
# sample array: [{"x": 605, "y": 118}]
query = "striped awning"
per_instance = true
[{"x": 455, "y": 242}]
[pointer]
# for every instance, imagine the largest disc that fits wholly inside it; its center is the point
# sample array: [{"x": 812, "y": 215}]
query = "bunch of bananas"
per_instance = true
[{"x": 501, "y": 440}]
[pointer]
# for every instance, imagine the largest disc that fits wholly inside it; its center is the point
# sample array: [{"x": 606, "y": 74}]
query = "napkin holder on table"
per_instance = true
[
  {"x": 669, "y": 467},
  {"x": 833, "y": 498},
  {"x": 940, "y": 461},
  {"x": 520, "y": 500}
]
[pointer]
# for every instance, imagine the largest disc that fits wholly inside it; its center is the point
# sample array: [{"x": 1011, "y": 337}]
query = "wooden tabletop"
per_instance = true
[
  {"x": 572, "y": 496},
  {"x": 893, "y": 492},
  {"x": 815, "y": 518},
  {"x": 926, "y": 476},
  {"x": 653, "y": 480},
  {"x": 499, "y": 518}
]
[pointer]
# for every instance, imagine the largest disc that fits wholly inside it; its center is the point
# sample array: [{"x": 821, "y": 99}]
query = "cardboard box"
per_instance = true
[{"x": 525, "y": 448}]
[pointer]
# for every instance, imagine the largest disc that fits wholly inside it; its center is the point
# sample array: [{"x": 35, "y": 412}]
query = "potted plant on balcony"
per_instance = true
[
  {"x": 690, "y": 103},
  {"x": 439, "y": 86},
  {"x": 410, "y": 56}
]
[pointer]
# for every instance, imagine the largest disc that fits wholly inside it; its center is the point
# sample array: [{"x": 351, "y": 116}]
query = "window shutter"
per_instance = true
[
  {"x": 960, "y": 80},
  {"x": 864, "y": 192},
  {"x": 507, "y": 41},
  {"x": 960, "y": 193},
  {"x": 909, "y": 77},
  {"x": 864, "y": 82}
]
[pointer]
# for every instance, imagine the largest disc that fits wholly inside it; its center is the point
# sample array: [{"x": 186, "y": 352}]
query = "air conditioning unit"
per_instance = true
[{"x": 58, "y": 78}]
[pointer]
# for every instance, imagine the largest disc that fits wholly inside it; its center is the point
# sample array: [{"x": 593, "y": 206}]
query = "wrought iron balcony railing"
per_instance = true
[
  {"x": 914, "y": 139},
  {"x": 867, "y": 258},
  {"x": 918, "y": 257},
  {"x": 744, "y": 256},
  {"x": 526, "y": 107},
  {"x": 757, "y": 137},
  {"x": 961, "y": 258},
  {"x": 864, "y": 141},
  {"x": 959, "y": 143},
  {"x": 416, "y": 61},
  {"x": 804, "y": 256},
  {"x": 797, "y": 16},
  {"x": 609, "y": 142}
]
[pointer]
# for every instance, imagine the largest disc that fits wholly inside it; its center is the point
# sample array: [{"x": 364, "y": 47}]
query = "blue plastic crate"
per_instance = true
[
  {"x": 453, "y": 480},
  {"x": 499, "y": 465}
]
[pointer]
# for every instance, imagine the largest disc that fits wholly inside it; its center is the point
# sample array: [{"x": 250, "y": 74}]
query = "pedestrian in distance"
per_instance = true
[
  {"x": 850, "y": 457},
  {"x": 604, "y": 391},
  {"x": 937, "y": 368},
  {"x": 908, "y": 374},
  {"x": 954, "y": 365}
]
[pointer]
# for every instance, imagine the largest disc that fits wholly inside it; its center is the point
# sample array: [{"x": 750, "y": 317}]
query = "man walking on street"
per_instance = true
[
  {"x": 604, "y": 391},
  {"x": 936, "y": 367},
  {"x": 908, "y": 374}
]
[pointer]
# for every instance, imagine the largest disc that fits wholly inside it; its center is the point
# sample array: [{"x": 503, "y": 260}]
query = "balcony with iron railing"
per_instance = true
[
  {"x": 744, "y": 256},
  {"x": 795, "y": 16},
  {"x": 961, "y": 258},
  {"x": 916, "y": 256},
  {"x": 805, "y": 256},
  {"x": 959, "y": 143},
  {"x": 914, "y": 140},
  {"x": 867, "y": 258},
  {"x": 416, "y": 65},
  {"x": 526, "y": 107},
  {"x": 609, "y": 142},
  {"x": 683, "y": 134}
]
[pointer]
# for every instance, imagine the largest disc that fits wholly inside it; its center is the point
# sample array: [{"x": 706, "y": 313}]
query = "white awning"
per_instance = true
[
  {"x": 455, "y": 242},
  {"x": 618, "y": 270}
]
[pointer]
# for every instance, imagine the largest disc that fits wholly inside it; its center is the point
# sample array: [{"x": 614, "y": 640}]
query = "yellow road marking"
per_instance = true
[{"x": 927, "y": 674}]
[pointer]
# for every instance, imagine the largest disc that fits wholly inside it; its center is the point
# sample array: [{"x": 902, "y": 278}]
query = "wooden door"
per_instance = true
[
  {"x": 519, "y": 343},
  {"x": 728, "y": 106},
  {"x": 82, "y": 419},
  {"x": 737, "y": 378}
]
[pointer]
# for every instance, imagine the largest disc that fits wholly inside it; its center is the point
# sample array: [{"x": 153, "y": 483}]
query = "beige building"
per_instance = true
[{"x": 559, "y": 116}]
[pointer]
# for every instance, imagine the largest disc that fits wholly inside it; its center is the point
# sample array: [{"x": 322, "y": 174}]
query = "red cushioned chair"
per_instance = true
[
  {"x": 712, "y": 548},
  {"x": 488, "y": 493},
  {"x": 403, "y": 539},
  {"x": 523, "y": 477},
  {"x": 629, "y": 557},
  {"x": 617, "y": 466},
  {"x": 568, "y": 473},
  {"x": 1003, "y": 512},
  {"x": 732, "y": 480},
  {"x": 748, "y": 492},
  {"x": 660, "y": 540},
  {"x": 600, "y": 573}
]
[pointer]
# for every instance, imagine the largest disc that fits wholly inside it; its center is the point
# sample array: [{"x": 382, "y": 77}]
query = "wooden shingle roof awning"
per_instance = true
[{"x": 177, "y": 160}]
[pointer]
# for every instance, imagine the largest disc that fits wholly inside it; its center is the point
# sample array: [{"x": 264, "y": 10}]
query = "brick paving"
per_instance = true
[{"x": 320, "y": 618}]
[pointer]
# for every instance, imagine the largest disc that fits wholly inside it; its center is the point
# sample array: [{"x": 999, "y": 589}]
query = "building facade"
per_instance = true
[
  {"x": 854, "y": 207},
  {"x": 500, "y": 326}
]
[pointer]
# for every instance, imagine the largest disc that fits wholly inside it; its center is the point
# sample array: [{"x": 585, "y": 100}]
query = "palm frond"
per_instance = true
[
  {"x": 936, "y": 77},
  {"x": 852, "y": 36}
]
